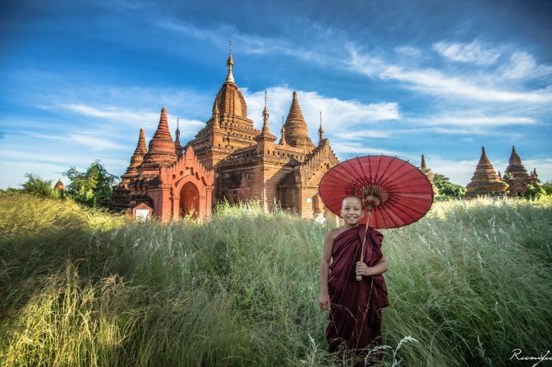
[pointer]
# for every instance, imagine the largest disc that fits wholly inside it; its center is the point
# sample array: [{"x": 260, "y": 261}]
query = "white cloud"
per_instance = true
[
  {"x": 347, "y": 149},
  {"x": 473, "y": 52},
  {"x": 435, "y": 82},
  {"x": 248, "y": 43},
  {"x": 363, "y": 134},
  {"x": 111, "y": 113},
  {"x": 475, "y": 121},
  {"x": 120, "y": 115},
  {"x": 409, "y": 51},
  {"x": 521, "y": 65},
  {"x": 94, "y": 142},
  {"x": 337, "y": 115}
]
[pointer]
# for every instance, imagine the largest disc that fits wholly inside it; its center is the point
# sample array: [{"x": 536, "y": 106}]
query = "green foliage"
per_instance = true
[
  {"x": 467, "y": 284},
  {"x": 92, "y": 187},
  {"x": 446, "y": 188},
  {"x": 534, "y": 192},
  {"x": 547, "y": 187},
  {"x": 37, "y": 186}
]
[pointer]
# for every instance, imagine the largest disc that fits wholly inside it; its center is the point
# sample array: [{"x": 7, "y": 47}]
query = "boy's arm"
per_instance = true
[
  {"x": 379, "y": 268},
  {"x": 324, "y": 271}
]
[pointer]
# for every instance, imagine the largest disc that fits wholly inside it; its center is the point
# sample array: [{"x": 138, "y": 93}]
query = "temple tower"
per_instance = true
[
  {"x": 516, "y": 176},
  {"x": 485, "y": 181},
  {"x": 161, "y": 151},
  {"x": 296, "y": 131},
  {"x": 429, "y": 174},
  {"x": 515, "y": 168},
  {"x": 137, "y": 158},
  {"x": 265, "y": 140},
  {"x": 229, "y": 129}
]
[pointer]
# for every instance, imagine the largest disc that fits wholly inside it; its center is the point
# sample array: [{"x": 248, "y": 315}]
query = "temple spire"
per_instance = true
[
  {"x": 265, "y": 138},
  {"x": 320, "y": 130},
  {"x": 484, "y": 159},
  {"x": 141, "y": 147},
  {"x": 230, "y": 65},
  {"x": 283, "y": 133},
  {"x": 266, "y": 115},
  {"x": 137, "y": 158},
  {"x": 296, "y": 127},
  {"x": 216, "y": 116},
  {"x": 177, "y": 145},
  {"x": 177, "y": 132},
  {"x": 429, "y": 174},
  {"x": 161, "y": 147},
  {"x": 515, "y": 169},
  {"x": 514, "y": 157}
]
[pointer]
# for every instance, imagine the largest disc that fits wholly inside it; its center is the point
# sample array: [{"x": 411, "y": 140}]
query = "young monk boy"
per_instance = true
[{"x": 355, "y": 306}]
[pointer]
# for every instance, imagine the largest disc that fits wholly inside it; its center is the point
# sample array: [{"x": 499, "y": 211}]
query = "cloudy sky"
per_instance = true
[{"x": 78, "y": 79}]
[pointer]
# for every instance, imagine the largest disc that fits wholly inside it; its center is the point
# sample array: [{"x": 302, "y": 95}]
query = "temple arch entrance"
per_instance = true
[{"x": 189, "y": 200}]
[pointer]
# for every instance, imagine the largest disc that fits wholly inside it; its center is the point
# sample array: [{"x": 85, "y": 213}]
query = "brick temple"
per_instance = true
[
  {"x": 487, "y": 182},
  {"x": 229, "y": 159}
]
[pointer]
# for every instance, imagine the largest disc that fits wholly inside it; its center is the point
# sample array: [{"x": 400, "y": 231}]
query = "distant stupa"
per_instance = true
[
  {"x": 516, "y": 176},
  {"x": 485, "y": 180}
]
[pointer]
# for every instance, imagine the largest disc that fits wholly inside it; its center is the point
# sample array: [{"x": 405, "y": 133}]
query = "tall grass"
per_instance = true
[{"x": 468, "y": 284}]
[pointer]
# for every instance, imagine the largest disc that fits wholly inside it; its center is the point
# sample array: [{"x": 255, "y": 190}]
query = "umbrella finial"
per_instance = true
[{"x": 372, "y": 196}]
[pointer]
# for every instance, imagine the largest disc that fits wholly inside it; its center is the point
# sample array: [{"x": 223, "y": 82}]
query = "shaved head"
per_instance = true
[{"x": 351, "y": 198}]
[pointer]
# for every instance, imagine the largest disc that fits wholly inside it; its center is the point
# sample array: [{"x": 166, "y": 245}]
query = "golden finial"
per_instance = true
[{"x": 230, "y": 64}]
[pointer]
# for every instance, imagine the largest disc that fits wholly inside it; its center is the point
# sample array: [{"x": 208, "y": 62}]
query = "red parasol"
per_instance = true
[{"x": 394, "y": 193}]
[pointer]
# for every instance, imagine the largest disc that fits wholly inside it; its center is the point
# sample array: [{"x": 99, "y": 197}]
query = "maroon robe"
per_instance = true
[{"x": 355, "y": 306}]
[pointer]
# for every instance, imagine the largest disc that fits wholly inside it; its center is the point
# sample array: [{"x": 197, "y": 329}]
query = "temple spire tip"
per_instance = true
[{"x": 230, "y": 64}]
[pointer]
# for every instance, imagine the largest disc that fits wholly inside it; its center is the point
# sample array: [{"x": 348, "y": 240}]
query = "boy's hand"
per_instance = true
[
  {"x": 363, "y": 269},
  {"x": 324, "y": 301}
]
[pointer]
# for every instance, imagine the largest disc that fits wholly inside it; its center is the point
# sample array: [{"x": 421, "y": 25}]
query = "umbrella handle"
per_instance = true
[{"x": 359, "y": 277}]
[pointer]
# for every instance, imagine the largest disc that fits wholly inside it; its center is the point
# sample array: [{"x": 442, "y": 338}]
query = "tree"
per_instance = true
[
  {"x": 92, "y": 187},
  {"x": 547, "y": 187},
  {"x": 37, "y": 186},
  {"x": 446, "y": 188},
  {"x": 534, "y": 192}
]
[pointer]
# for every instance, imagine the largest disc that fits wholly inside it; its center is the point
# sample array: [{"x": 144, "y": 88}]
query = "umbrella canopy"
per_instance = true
[{"x": 396, "y": 192}]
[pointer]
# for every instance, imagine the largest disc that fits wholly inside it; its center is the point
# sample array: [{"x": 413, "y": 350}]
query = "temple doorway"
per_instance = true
[{"x": 189, "y": 200}]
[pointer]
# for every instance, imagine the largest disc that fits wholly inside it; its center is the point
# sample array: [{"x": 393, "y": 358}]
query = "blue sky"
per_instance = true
[{"x": 78, "y": 79}]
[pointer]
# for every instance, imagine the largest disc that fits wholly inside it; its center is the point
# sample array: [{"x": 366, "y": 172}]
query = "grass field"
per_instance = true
[{"x": 468, "y": 284}]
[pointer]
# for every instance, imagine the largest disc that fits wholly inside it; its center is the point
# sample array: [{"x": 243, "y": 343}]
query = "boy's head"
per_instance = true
[
  {"x": 351, "y": 199},
  {"x": 351, "y": 210}
]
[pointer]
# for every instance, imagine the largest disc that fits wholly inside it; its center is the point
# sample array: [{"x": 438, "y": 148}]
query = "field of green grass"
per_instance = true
[{"x": 468, "y": 284}]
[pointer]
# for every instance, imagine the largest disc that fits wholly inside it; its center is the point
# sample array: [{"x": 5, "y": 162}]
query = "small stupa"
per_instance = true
[
  {"x": 429, "y": 174},
  {"x": 161, "y": 150},
  {"x": 59, "y": 186},
  {"x": 516, "y": 176},
  {"x": 485, "y": 180},
  {"x": 137, "y": 158}
]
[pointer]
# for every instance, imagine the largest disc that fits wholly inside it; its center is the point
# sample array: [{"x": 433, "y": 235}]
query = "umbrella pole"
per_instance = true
[{"x": 369, "y": 212}]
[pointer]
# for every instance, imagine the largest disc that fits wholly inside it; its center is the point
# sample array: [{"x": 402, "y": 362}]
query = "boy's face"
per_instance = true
[{"x": 351, "y": 210}]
